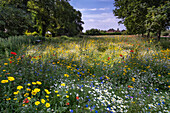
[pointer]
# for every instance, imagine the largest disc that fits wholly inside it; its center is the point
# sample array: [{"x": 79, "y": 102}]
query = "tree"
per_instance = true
[
  {"x": 56, "y": 16},
  {"x": 132, "y": 13},
  {"x": 158, "y": 19},
  {"x": 93, "y": 32},
  {"x": 137, "y": 15},
  {"x": 13, "y": 20}
]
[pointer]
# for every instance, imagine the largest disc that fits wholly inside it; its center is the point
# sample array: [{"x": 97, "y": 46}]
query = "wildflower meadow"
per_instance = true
[{"x": 99, "y": 74}]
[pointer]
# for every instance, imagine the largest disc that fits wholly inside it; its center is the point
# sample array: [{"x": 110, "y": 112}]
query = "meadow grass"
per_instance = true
[{"x": 82, "y": 75}]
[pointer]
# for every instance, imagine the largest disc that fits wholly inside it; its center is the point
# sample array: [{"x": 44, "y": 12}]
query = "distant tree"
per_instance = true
[{"x": 93, "y": 32}]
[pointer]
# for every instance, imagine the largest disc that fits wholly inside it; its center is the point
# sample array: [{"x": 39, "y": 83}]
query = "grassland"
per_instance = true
[{"x": 81, "y": 75}]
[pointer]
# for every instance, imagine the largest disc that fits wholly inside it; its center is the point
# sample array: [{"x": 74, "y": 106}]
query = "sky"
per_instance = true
[{"x": 97, "y": 14}]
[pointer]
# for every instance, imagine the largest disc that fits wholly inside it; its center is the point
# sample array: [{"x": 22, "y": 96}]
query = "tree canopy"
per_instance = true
[
  {"x": 141, "y": 16},
  {"x": 56, "y": 16}
]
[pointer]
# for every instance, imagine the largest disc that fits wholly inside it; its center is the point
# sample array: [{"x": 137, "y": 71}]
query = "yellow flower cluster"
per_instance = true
[
  {"x": 19, "y": 87},
  {"x": 46, "y": 90},
  {"x": 66, "y": 75},
  {"x": 63, "y": 84},
  {"x": 133, "y": 79},
  {"x": 4, "y": 81},
  {"x": 35, "y": 91},
  {"x": 11, "y": 78}
]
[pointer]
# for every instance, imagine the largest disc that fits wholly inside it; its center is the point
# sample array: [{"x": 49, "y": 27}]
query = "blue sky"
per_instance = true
[{"x": 97, "y": 14}]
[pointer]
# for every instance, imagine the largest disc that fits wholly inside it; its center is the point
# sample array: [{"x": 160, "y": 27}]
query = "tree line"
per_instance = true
[
  {"x": 55, "y": 16},
  {"x": 143, "y": 16}
]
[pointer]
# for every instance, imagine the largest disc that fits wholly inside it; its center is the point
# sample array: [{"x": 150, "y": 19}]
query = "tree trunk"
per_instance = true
[
  {"x": 159, "y": 35},
  {"x": 25, "y": 2},
  {"x": 53, "y": 34},
  {"x": 142, "y": 34},
  {"x": 44, "y": 27},
  {"x": 148, "y": 35}
]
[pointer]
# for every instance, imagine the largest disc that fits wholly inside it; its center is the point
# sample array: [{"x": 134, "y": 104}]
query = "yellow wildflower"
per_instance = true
[
  {"x": 66, "y": 75},
  {"x": 19, "y": 87},
  {"x": 5, "y": 64},
  {"x": 37, "y": 90},
  {"x": 28, "y": 89},
  {"x": 47, "y": 105},
  {"x": 15, "y": 93},
  {"x": 133, "y": 79},
  {"x": 34, "y": 83},
  {"x": 29, "y": 98},
  {"x": 42, "y": 101},
  {"x": 28, "y": 84},
  {"x": 63, "y": 84},
  {"x": 67, "y": 96},
  {"x": 33, "y": 92},
  {"x": 38, "y": 82},
  {"x": 4, "y": 81},
  {"x": 37, "y": 103},
  {"x": 8, "y": 99},
  {"x": 11, "y": 78},
  {"x": 26, "y": 94},
  {"x": 56, "y": 91},
  {"x": 46, "y": 90}
]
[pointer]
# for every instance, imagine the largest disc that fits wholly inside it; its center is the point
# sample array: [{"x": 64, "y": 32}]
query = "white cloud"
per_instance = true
[
  {"x": 92, "y": 9},
  {"x": 103, "y": 21},
  {"x": 103, "y": 9}
]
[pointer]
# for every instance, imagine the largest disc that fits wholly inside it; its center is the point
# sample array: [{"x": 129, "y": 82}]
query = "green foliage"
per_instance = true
[
  {"x": 13, "y": 43},
  {"x": 98, "y": 32},
  {"x": 141, "y": 16},
  {"x": 13, "y": 21},
  {"x": 56, "y": 16},
  {"x": 115, "y": 33},
  {"x": 165, "y": 44},
  {"x": 165, "y": 33},
  {"x": 92, "y": 32}
]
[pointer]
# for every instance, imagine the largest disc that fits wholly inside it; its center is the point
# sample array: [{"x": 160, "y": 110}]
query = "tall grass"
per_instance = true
[{"x": 13, "y": 43}]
